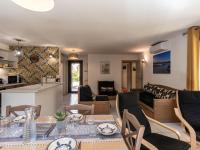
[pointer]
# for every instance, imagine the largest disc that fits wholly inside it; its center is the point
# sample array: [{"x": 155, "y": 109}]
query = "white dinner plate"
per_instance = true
[
  {"x": 75, "y": 117},
  {"x": 20, "y": 119},
  {"x": 107, "y": 129},
  {"x": 62, "y": 144}
]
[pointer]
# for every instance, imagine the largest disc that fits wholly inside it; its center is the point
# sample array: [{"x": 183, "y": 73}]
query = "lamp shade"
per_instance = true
[
  {"x": 36, "y": 5},
  {"x": 73, "y": 56}
]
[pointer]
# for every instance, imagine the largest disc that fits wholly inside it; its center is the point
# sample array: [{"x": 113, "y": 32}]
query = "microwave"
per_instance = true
[{"x": 14, "y": 79}]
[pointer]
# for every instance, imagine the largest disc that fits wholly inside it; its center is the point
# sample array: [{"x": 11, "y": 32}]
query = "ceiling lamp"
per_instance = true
[
  {"x": 36, "y": 5},
  {"x": 73, "y": 56},
  {"x": 18, "y": 50}
]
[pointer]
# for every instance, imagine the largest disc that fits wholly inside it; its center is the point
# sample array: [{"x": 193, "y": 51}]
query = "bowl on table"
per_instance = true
[
  {"x": 63, "y": 144},
  {"x": 75, "y": 117},
  {"x": 107, "y": 129}
]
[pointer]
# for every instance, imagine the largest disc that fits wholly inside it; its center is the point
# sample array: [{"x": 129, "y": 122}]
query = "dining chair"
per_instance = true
[
  {"x": 21, "y": 108},
  {"x": 128, "y": 134},
  {"x": 153, "y": 141},
  {"x": 188, "y": 112},
  {"x": 84, "y": 109}
]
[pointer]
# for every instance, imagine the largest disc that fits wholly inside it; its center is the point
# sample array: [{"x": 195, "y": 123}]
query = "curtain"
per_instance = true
[{"x": 193, "y": 59}]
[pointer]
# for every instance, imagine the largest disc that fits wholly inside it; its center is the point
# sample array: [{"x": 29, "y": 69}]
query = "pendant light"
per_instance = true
[
  {"x": 36, "y": 5},
  {"x": 73, "y": 56},
  {"x": 18, "y": 50}
]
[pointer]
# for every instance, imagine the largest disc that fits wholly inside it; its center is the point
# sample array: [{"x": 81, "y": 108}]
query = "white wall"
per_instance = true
[
  {"x": 177, "y": 78},
  {"x": 4, "y": 75},
  {"x": 84, "y": 58},
  {"x": 115, "y": 65}
]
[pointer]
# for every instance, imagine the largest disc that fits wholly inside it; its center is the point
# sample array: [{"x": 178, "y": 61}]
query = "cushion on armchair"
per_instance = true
[
  {"x": 189, "y": 102},
  {"x": 85, "y": 93},
  {"x": 101, "y": 98},
  {"x": 129, "y": 101}
]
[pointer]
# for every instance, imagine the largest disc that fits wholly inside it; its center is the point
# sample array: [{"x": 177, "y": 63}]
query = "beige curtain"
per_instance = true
[{"x": 193, "y": 59}]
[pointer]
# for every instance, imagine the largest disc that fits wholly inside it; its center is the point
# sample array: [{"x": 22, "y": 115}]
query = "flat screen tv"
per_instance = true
[{"x": 162, "y": 63}]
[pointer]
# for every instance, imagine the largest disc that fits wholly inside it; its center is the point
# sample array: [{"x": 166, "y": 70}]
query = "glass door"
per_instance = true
[{"x": 75, "y": 76}]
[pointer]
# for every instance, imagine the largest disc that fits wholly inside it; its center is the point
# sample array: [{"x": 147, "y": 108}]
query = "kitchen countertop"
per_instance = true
[
  {"x": 31, "y": 88},
  {"x": 9, "y": 85}
]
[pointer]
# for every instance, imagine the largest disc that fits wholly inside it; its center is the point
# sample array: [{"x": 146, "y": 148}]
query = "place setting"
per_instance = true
[{"x": 64, "y": 143}]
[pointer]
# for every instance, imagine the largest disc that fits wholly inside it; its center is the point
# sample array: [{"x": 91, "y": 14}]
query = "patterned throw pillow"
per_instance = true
[
  {"x": 168, "y": 94},
  {"x": 159, "y": 92},
  {"x": 149, "y": 88}
]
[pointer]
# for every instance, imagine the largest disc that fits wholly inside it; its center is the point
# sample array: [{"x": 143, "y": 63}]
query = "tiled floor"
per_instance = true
[{"x": 73, "y": 99}]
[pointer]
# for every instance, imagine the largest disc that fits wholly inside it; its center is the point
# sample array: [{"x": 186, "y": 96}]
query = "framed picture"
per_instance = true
[
  {"x": 105, "y": 67},
  {"x": 162, "y": 63}
]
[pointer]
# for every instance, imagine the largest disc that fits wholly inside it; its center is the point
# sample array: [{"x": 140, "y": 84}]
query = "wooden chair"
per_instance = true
[
  {"x": 150, "y": 140},
  {"x": 13, "y": 110},
  {"x": 84, "y": 109},
  {"x": 129, "y": 119},
  {"x": 187, "y": 112}
]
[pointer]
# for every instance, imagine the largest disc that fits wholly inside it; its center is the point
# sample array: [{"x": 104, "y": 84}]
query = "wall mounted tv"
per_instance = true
[{"x": 162, "y": 63}]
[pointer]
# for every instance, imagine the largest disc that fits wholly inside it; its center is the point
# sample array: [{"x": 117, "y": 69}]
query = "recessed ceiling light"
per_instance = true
[{"x": 36, "y": 5}]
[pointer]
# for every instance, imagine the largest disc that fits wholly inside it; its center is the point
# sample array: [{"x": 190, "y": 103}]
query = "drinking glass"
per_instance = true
[
  {"x": 69, "y": 127},
  {"x": 90, "y": 119},
  {"x": 93, "y": 130}
]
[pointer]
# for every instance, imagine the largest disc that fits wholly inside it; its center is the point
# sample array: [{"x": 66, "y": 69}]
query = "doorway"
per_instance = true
[
  {"x": 75, "y": 75},
  {"x": 131, "y": 75}
]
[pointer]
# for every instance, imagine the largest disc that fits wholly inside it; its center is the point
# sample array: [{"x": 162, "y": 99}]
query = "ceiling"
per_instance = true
[{"x": 98, "y": 26}]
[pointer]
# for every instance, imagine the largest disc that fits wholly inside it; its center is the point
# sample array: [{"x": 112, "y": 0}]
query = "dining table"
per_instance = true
[{"x": 80, "y": 133}]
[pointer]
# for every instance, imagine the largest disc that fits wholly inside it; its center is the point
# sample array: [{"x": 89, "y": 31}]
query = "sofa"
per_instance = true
[
  {"x": 158, "y": 102},
  {"x": 101, "y": 102}
]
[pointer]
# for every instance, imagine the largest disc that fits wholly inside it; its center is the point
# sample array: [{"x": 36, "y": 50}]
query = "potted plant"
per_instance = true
[{"x": 60, "y": 117}]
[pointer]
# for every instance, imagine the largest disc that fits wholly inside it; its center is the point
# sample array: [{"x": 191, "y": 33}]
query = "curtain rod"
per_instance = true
[{"x": 196, "y": 27}]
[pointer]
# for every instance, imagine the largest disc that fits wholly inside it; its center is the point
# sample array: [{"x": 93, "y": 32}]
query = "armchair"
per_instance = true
[
  {"x": 153, "y": 141},
  {"x": 188, "y": 112},
  {"x": 107, "y": 88},
  {"x": 86, "y": 96}
]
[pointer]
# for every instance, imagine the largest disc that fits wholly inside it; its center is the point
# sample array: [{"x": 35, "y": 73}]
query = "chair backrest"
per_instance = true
[
  {"x": 13, "y": 110},
  {"x": 129, "y": 101},
  {"x": 85, "y": 93},
  {"x": 188, "y": 104},
  {"x": 83, "y": 109},
  {"x": 133, "y": 139}
]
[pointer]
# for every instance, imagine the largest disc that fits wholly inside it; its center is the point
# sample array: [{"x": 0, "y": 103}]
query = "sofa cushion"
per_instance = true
[
  {"x": 168, "y": 94},
  {"x": 147, "y": 98},
  {"x": 150, "y": 88},
  {"x": 165, "y": 143},
  {"x": 159, "y": 92}
]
